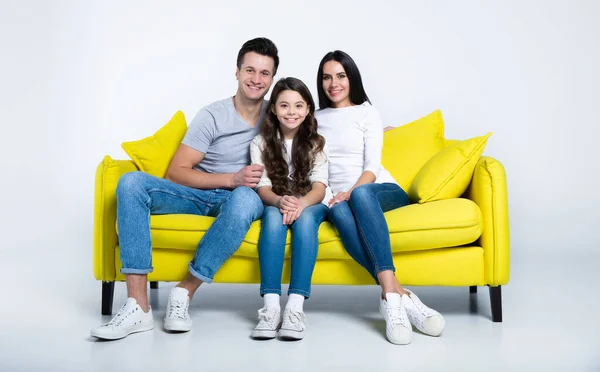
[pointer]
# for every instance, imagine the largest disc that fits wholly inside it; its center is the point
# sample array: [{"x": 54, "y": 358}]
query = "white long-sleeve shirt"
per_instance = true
[
  {"x": 354, "y": 138},
  {"x": 319, "y": 172}
]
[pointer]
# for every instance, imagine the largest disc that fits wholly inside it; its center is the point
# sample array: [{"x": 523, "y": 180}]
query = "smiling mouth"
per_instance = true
[
  {"x": 254, "y": 88},
  {"x": 335, "y": 92}
]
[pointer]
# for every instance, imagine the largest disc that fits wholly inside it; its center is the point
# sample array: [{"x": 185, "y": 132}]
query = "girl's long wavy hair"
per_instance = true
[{"x": 306, "y": 145}]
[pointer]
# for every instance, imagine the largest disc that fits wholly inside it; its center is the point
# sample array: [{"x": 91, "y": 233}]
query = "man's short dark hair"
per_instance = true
[{"x": 260, "y": 45}]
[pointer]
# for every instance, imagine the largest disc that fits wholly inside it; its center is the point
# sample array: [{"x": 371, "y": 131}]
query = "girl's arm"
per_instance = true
[
  {"x": 314, "y": 196},
  {"x": 319, "y": 178},
  {"x": 269, "y": 197}
]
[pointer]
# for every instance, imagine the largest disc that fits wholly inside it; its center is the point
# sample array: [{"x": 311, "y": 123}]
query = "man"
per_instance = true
[{"x": 209, "y": 175}]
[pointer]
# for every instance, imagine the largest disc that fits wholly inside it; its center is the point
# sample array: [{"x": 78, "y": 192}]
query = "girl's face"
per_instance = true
[
  {"x": 336, "y": 84},
  {"x": 291, "y": 110}
]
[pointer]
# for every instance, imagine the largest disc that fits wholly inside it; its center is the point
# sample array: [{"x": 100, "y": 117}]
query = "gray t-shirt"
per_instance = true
[{"x": 223, "y": 136}]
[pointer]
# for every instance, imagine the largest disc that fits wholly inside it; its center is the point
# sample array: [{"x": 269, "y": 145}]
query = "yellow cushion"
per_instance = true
[
  {"x": 444, "y": 223},
  {"x": 448, "y": 173},
  {"x": 153, "y": 154},
  {"x": 407, "y": 148}
]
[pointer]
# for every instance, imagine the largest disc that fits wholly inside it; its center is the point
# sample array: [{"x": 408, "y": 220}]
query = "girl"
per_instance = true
[
  {"x": 292, "y": 188},
  {"x": 364, "y": 190}
]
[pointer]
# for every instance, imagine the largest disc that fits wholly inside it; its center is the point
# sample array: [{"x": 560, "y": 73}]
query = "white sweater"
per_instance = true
[{"x": 354, "y": 138}]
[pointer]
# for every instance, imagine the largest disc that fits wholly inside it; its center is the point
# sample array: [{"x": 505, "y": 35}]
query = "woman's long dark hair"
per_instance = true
[
  {"x": 357, "y": 91},
  {"x": 306, "y": 145}
]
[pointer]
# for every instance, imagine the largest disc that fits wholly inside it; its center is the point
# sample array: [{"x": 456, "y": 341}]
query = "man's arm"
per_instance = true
[{"x": 181, "y": 171}]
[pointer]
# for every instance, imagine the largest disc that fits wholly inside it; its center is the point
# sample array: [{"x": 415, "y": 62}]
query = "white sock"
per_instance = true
[
  {"x": 295, "y": 301},
  {"x": 272, "y": 301}
]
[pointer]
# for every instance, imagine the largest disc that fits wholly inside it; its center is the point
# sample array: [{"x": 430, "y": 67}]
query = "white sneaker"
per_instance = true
[
  {"x": 422, "y": 317},
  {"x": 269, "y": 322},
  {"x": 397, "y": 326},
  {"x": 177, "y": 318},
  {"x": 130, "y": 319},
  {"x": 292, "y": 327}
]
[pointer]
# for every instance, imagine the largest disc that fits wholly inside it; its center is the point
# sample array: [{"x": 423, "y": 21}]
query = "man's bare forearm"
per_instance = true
[{"x": 200, "y": 180}]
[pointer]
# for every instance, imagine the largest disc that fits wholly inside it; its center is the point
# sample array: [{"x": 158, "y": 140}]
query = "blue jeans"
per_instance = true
[
  {"x": 139, "y": 195},
  {"x": 305, "y": 245},
  {"x": 362, "y": 226}
]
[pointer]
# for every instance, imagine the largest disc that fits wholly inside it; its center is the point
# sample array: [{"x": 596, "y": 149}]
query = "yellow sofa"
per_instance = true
[{"x": 451, "y": 241}]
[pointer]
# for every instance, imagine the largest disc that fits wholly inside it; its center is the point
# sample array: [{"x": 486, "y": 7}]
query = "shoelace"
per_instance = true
[
  {"x": 267, "y": 316},
  {"x": 395, "y": 316},
  {"x": 295, "y": 317},
  {"x": 421, "y": 307},
  {"x": 178, "y": 309},
  {"x": 122, "y": 314}
]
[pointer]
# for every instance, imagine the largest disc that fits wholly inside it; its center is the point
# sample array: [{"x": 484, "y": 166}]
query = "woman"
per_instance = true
[{"x": 364, "y": 190}]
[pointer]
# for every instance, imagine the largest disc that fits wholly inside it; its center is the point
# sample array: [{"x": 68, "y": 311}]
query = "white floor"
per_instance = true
[{"x": 550, "y": 324}]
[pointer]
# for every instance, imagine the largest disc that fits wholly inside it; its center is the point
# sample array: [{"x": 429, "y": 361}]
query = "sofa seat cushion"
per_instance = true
[{"x": 439, "y": 224}]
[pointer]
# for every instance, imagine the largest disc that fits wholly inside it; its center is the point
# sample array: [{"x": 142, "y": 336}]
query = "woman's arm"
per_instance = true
[
  {"x": 366, "y": 177},
  {"x": 373, "y": 140}
]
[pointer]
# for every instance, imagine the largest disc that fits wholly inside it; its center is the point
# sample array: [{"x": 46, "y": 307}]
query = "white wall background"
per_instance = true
[{"x": 78, "y": 78}]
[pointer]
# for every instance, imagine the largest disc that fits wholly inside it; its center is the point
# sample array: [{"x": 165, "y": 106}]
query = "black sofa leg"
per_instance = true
[
  {"x": 153, "y": 285},
  {"x": 496, "y": 303},
  {"x": 473, "y": 289},
  {"x": 108, "y": 291}
]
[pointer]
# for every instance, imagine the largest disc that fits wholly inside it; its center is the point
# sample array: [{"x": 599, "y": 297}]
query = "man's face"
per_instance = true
[{"x": 255, "y": 76}]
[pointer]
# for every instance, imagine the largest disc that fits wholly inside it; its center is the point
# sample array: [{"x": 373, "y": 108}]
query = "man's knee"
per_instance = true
[
  {"x": 131, "y": 182},
  {"x": 246, "y": 201}
]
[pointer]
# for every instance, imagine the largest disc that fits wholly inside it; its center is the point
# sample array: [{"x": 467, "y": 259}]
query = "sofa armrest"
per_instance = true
[
  {"x": 489, "y": 190},
  {"x": 105, "y": 215}
]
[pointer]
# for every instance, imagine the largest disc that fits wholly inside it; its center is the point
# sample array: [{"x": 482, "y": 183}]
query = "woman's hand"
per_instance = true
[{"x": 339, "y": 197}]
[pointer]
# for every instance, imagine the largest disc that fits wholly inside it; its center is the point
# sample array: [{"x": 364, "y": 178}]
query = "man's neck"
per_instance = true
[{"x": 248, "y": 110}]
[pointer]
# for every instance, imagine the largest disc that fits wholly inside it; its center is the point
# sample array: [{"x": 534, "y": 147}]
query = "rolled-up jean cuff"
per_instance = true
[
  {"x": 271, "y": 291},
  {"x": 385, "y": 268},
  {"x": 196, "y": 274},
  {"x": 126, "y": 271}
]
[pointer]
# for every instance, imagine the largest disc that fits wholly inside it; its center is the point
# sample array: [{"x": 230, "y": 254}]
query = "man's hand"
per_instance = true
[
  {"x": 339, "y": 197},
  {"x": 248, "y": 176}
]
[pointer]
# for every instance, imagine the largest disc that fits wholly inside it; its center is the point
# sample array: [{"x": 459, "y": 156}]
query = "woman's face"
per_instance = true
[
  {"x": 336, "y": 84},
  {"x": 291, "y": 110}
]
